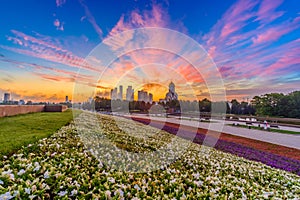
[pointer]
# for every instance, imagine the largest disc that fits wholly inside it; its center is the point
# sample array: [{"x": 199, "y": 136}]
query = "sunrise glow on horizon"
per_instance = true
[{"x": 46, "y": 48}]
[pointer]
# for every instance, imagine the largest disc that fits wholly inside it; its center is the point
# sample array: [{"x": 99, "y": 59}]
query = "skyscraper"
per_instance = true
[
  {"x": 143, "y": 96},
  {"x": 114, "y": 94},
  {"x": 150, "y": 98},
  {"x": 6, "y": 97},
  {"x": 111, "y": 94},
  {"x": 129, "y": 93},
  {"x": 120, "y": 95}
]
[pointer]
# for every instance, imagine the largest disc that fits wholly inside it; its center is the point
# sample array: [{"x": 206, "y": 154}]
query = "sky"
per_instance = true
[{"x": 50, "y": 49}]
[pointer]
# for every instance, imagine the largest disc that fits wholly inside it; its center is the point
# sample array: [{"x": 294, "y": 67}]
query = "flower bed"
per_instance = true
[
  {"x": 65, "y": 166},
  {"x": 273, "y": 160}
]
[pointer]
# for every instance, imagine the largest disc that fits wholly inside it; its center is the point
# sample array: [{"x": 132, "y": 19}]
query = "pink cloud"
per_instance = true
[
  {"x": 270, "y": 35},
  {"x": 91, "y": 18},
  {"x": 59, "y": 25},
  {"x": 136, "y": 19},
  {"x": 44, "y": 49},
  {"x": 266, "y": 12},
  {"x": 234, "y": 19},
  {"x": 290, "y": 57},
  {"x": 45, "y": 70},
  {"x": 273, "y": 34},
  {"x": 246, "y": 55}
]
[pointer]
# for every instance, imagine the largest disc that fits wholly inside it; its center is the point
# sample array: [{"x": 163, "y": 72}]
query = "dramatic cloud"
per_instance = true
[
  {"x": 42, "y": 48},
  {"x": 155, "y": 17},
  {"x": 246, "y": 46},
  {"x": 51, "y": 73},
  {"x": 267, "y": 13},
  {"x": 255, "y": 43}
]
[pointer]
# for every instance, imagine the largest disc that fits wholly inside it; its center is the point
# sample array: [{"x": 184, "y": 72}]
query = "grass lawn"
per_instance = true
[
  {"x": 270, "y": 129},
  {"x": 21, "y": 130}
]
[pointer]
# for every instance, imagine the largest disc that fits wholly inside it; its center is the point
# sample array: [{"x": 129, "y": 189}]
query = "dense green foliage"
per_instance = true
[
  {"x": 273, "y": 104},
  {"x": 278, "y": 104},
  {"x": 21, "y": 130}
]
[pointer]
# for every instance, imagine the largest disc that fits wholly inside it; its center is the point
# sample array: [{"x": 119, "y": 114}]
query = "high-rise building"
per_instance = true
[
  {"x": 114, "y": 94},
  {"x": 143, "y": 96},
  {"x": 120, "y": 95},
  {"x": 132, "y": 95},
  {"x": 150, "y": 98},
  {"x": 129, "y": 94},
  {"x": 111, "y": 94},
  {"x": 6, "y": 97}
]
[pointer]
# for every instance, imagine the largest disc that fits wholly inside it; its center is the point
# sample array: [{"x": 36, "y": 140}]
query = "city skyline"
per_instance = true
[{"x": 254, "y": 45}]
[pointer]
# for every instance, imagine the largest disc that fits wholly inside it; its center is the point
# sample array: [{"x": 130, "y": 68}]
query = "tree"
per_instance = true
[{"x": 278, "y": 104}]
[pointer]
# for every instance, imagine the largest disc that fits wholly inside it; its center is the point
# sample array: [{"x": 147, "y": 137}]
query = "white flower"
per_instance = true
[
  {"x": 112, "y": 180},
  {"x": 198, "y": 183},
  {"x": 173, "y": 181},
  {"x": 21, "y": 172},
  {"x": 267, "y": 194},
  {"x": 33, "y": 188},
  {"x": 29, "y": 166},
  {"x": 16, "y": 192},
  {"x": 32, "y": 196},
  {"x": 107, "y": 193},
  {"x": 9, "y": 173},
  {"x": 1, "y": 182},
  {"x": 27, "y": 190},
  {"x": 62, "y": 193},
  {"x": 74, "y": 192},
  {"x": 46, "y": 174},
  {"x": 6, "y": 195},
  {"x": 37, "y": 168},
  {"x": 121, "y": 193},
  {"x": 196, "y": 175},
  {"x": 137, "y": 187}
]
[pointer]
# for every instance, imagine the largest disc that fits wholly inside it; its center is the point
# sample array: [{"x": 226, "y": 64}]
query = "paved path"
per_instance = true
[{"x": 287, "y": 140}]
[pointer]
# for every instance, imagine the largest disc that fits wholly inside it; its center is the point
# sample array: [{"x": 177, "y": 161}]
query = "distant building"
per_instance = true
[
  {"x": 111, "y": 94},
  {"x": 171, "y": 95},
  {"x": 129, "y": 94},
  {"x": 120, "y": 95},
  {"x": 114, "y": 94},
  {"x": 143, "y": 96},
  {"x": 67, "y": 99},
  {"x": 6, "y": 97},
  {"x": 21, "y": 102},
  {"x": 150, "y": 98}
]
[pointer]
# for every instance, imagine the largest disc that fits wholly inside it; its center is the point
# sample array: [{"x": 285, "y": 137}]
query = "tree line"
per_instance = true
[
  {"x": 278, "y": 104},
  {"x": 273, "y": 104}
]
